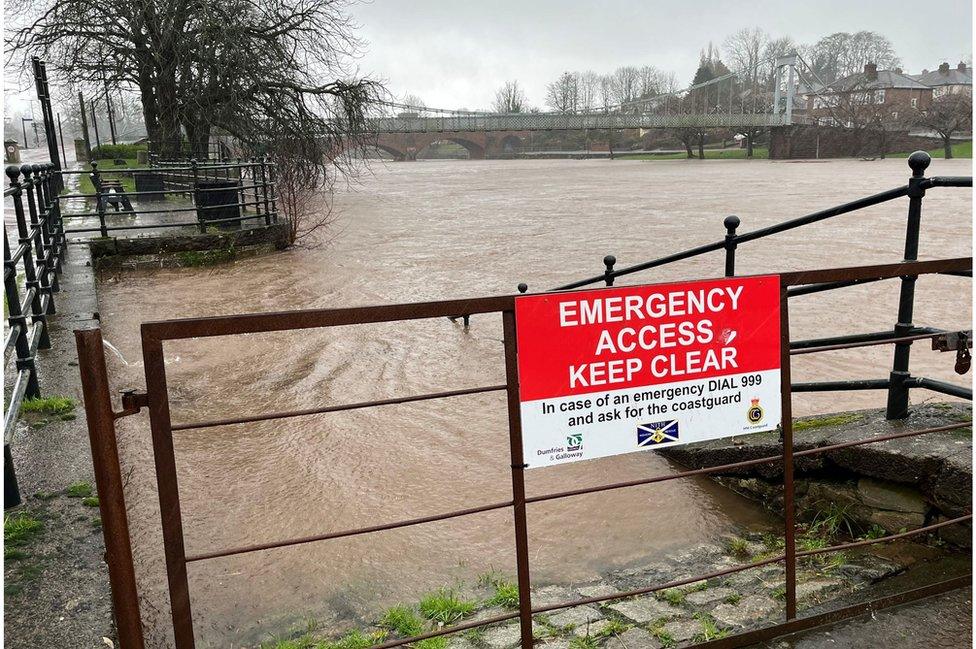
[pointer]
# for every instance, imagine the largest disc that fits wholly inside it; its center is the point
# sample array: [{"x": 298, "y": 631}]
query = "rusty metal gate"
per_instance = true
[{"x": 101, "y": 418}]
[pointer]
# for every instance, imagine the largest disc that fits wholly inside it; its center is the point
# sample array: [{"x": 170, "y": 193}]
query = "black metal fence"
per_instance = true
[
  {"x": 226, "y": 195},
  {"x": 30, "y": 280},
  {"x": 899, "y": 381}
]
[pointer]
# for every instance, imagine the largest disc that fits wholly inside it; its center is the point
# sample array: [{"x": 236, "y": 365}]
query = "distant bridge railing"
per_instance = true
[{"x": 572, "y": 122}]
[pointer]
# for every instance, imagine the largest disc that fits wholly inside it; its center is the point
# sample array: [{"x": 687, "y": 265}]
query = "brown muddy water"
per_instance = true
[{"x": 435, "y": 230}]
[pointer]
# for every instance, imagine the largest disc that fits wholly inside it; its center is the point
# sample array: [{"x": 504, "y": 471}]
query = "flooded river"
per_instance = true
[{"x": 433, "y": 230}]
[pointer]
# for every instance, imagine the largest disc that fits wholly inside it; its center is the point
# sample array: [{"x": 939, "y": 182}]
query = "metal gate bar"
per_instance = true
[{"x": 155, "y": 333}]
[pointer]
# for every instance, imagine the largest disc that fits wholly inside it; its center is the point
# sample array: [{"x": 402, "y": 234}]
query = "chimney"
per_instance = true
[
  {"x": 871, "y": 71},
  {"x": 944, "y": 69},
  {"x": 962, "y": 66},
  {"x": 898, "y": 71}
]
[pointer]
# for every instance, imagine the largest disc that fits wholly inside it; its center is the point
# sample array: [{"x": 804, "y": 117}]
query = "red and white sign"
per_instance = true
[{"x": 618, "y": 370}]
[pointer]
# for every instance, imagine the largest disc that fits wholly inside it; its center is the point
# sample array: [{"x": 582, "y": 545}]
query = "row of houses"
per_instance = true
[{"x": 887, "y": 94}]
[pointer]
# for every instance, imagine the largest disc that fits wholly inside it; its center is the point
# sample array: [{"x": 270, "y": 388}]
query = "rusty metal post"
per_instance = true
[
  {"x": 786, "y": 408},
  {"x": 518, "y": 479},
  {"x": 108, "y": 480},
  {"x": 168, "y": 489}
]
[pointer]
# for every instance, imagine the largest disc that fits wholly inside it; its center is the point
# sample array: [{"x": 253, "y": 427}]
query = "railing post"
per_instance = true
[
  {"x": 11, "y": 490},
  {"x": 264, "y": 190},
  {"x": 900, "y": 371},
  {"x": 196, "y": 195},
  {"x": 608, "y": 276},
  {"x": 17, "y": 318},
  {"x": 99, "y": 198},
  {"x": 731, "y": 223},
  {"x": 42, "y": 239},
  {"x": 56, "y": 227},
  {"x": 30, "y": 266},
  {"x": 274, "y": 192},
  {"x": 108, "y": 481}
]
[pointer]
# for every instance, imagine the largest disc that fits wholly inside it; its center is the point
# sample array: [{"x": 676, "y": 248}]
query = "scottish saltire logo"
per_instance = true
[{"x": 657, "y": 433}]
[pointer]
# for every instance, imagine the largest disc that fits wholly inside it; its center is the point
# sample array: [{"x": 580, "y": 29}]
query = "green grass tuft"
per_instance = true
[
  {"x": 48, "y": 406},
  {"x": 584, "y": 642},
  {"x": 440, "y": 642},
  {"x": 79, "y": 490},
  {"x": 90, "y": 501},
  {"x": 710, "y": 630},
  {"x": 445, "y": 606},
  {"x": 403, "y": 621},
  {"x": 506, "y": 595},
  {"x": 738, "y": 548},
  {"x": 612, "y": 627},
  {"x": 19, "y": 529},
  {"x": 673, "y": 596}
]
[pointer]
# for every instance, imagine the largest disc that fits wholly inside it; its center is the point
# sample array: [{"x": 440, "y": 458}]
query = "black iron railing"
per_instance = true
[
  {"x": 30, "y": 280},
  {"x": 227, "y": 194},
  {"x": 900, "y": 380}
]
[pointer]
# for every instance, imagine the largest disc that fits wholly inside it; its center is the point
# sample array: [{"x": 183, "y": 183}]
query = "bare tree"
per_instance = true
[
  {"x": 509, "y": 98},
  {"x": 562, "y": 95},
  {"x": 948, "y": 115},
  {"x": 416, "y": 103},
  {"x": 744, "y": 51},
  {"x": 842, "y": 54}
]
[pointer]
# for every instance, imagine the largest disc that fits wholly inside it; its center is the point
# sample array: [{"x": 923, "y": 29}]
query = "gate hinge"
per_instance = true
[{"x": 132, "y": 402}]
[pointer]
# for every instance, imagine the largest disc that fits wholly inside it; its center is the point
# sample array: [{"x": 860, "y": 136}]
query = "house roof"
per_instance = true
[
  {"x": 885, "y": 79},
  {"x": 952, "y": 77}
]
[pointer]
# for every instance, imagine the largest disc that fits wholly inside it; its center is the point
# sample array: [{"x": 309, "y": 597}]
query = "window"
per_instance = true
[
  {"x": 914, "y": 102},
  {"x": 879, "y": 96},
  {"x": 894, "y": 115}
]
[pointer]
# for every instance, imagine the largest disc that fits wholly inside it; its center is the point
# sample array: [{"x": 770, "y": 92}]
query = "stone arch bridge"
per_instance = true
[{"x": 478, "y": 144}]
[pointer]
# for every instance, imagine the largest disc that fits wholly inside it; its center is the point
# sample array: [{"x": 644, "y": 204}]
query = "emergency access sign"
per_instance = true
[{"x": 618, "y": 370}]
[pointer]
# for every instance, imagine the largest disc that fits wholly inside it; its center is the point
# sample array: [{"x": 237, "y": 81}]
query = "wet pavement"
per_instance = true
[{"x": 939, "y": 622}]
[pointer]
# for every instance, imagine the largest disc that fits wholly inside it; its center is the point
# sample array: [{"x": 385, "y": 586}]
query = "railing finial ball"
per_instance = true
[
  {"x": 13, "y": 171},
  {"x": 36, "y": 168},
  {"x": 26, "y": 169},
  {"x": 523, "y": 287},
  {"x": 919, "y": 162},
  {"x": 609, "y": 261},
  {"x": 732, "y": 222}
]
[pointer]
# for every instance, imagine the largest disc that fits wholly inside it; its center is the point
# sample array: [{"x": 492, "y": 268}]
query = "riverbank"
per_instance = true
[{"x": 688, "y": 613}]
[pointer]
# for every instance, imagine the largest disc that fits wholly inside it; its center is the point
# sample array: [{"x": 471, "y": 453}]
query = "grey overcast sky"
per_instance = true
[{"x": 455, "y": 53}]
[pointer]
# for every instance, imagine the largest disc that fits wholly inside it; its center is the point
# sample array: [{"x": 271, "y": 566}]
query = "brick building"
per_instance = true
[
  {"x": 868, "y": 96},
  {"x": 948, "y": 80}
]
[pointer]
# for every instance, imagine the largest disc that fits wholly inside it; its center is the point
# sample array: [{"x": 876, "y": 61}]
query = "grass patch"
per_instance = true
[
  {"x": 403, "y": 621},
  {"x": 506, "y": 595},
  {"x": 874, "y": 532},
  {"x": 19, "y": 529},
  {"x": 440, "y": 642},
  {"x": 821, "y": 422},
  {"x": 445, "y": 606},
  {"x": 583, "y": 642},
  {"x": 673, "y": 596},
  {"x": 90, "y": 501},
  {"x": 106, "y": 167},
  {"x": 833, "y": 520},
  {"x": 959, "y": 150},
  {"x": 733, "y": 599},
  {"x": 613, "y": 627},
  {"x": 79, "y": 490},
  {"x": 779, "y": 592},
  {"x": 48, "y": 406},
  {"x": 758, "y": 153}
]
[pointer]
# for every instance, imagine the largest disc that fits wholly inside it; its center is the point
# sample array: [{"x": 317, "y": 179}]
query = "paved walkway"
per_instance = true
[{"x": 939, "y": 622}]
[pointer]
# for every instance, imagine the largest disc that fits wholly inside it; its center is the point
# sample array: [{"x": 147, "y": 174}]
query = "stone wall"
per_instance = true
[
  {"x": 807, "y": 141},
  {"x": 186, "y": 249},
  {"x": 892, "y": 486}
]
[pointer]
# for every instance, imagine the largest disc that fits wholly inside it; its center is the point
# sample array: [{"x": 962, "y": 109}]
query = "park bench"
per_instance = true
[{"x": 111, "y": 192}]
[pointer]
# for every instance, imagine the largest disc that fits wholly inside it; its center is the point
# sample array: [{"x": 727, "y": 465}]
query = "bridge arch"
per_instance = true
[{"x": 476, "y": 151}]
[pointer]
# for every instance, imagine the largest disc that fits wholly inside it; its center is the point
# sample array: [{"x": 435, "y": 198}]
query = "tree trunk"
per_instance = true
[
  {"x": 701, "y": 145},
  {"x": 687, "y": 143},
  {"x": 947, "y": 145},
  {"x": 749, "y": 145}
]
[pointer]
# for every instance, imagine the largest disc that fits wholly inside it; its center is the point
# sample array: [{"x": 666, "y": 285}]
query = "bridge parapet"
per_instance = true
[{"x": 569, "y": 122}]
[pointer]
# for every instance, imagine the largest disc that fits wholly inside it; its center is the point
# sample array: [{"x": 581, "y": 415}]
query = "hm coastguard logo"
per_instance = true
[{"x": 755, "y": 412}]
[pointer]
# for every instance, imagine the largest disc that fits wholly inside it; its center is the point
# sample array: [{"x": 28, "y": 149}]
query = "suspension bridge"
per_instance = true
[{"x": 728, "y": 101}]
